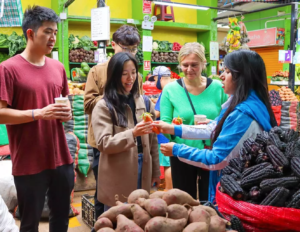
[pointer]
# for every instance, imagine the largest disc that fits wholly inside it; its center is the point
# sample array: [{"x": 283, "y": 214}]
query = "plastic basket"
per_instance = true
[{"x": 88, "y": 210}]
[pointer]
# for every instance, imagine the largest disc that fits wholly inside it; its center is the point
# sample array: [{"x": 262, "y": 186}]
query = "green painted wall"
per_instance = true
[{"x": 285, "y": 22}]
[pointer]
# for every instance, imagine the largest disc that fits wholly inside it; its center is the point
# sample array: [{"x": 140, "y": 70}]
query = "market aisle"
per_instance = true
[{"x": 76, "y": 224}]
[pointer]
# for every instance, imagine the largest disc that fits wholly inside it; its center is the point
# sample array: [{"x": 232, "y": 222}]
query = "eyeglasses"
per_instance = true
[{"x": 134, "y": 50}]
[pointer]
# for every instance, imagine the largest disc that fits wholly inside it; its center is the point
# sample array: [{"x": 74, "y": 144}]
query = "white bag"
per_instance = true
[
  {"x": 7, "y": 223},
  {"x": 7, "y": 185}
]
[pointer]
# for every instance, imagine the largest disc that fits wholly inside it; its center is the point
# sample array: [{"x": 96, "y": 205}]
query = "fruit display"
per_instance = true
[
  {"x": 76, "y": 88},
  {"x": 174, "y": 210},
  {"x": 162, "y": 46},
  {"x": 164, "y": 57},
  {"x": 139, "y": 55},
  {"x": 267, "y": 172},
  {"x": 80, "y": 74},
  {"x": 280, "y": 76},
  {"x": 81, "y": 55},
  {"x": 286, "y": 94}
]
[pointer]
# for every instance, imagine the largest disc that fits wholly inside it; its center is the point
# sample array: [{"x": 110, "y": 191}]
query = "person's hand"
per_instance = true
[
  {"x": 68, "y": 118},
  {"x": 204, "y": 123},
  {"x": 53, "y": 112},
  {"x": 142, "y": 128},
  {"x": 167, "y": 149},
  {"x": 155, "y": 180},
  {"x": 164, "y": 127}
]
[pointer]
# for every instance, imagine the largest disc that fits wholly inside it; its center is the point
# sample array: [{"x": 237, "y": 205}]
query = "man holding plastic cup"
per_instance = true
[{"x": 30, "y": 83}]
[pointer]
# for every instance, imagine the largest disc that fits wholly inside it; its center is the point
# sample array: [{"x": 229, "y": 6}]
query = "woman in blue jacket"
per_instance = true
[{"x": 246, "y": 113}]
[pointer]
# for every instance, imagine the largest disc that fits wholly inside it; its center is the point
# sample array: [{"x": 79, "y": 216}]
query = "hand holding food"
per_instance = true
[{"x": 147, "y": 118}]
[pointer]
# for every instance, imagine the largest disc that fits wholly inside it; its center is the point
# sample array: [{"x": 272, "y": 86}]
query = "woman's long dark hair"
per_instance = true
[
  {"x": 248, "y": 73},
  {"x": 114, "y": 87}
]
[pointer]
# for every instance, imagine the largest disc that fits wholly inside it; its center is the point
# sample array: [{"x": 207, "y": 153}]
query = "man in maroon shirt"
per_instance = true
[{"x": 42, "y": 164}]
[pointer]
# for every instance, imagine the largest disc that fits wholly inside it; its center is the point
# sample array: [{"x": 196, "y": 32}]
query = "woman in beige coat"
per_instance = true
[{"x": 129, "y": 150}]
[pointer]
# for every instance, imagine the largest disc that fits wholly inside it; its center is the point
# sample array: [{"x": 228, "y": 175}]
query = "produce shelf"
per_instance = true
[
  {"x": 94, "y": 63},
  {"x": 163, "y": 63},
  {"x": 181, "y": 26},
  {"x": 80, "y": 63},
  {"x": 85, "y": 20}
]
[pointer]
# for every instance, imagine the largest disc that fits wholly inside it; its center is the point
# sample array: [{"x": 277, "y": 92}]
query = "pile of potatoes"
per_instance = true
[{"x": 171, "y": 211}]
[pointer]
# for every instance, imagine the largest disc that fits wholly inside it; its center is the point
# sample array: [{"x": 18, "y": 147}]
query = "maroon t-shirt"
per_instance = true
[{"x": 41, "y": 144}]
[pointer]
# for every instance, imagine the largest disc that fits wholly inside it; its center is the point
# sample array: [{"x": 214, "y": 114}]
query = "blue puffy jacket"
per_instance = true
[{"x": 246, "y": 120}]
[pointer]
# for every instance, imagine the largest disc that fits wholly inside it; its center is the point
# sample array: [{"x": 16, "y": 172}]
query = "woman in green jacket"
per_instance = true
[{"x": 193, "y": 94}]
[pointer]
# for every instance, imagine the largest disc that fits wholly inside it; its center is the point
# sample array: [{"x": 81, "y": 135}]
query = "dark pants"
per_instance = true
[
  {"x": 99, "y": 207},
  {"x": 31, "y": 192},
  {"x": 184, "y": 177}
]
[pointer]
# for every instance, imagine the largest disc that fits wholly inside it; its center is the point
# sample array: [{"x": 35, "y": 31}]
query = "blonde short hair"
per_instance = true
[{"x": 192, "y": 48}]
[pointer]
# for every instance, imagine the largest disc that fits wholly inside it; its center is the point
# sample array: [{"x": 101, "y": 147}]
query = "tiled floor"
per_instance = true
[{"x": 75, "y": 224}]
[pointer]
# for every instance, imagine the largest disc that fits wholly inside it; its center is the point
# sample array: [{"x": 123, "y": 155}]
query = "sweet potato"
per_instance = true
[
  {"x": 155, "y": 207},
  {"x": 162, "y": 224},
  {"x": 196, "y": 227},
  {"x": 176, "y": 211},
  {"x": 177, "y": 196},
  {"x": 198, "y": 214},
  {"x": 208, "y": 209},
  {"x": 217, "y": 224},
  {"x": 114, "y": 211},
  {"x": 102, "y": 223},
  {"x": 140, "y": 216},
  {"x": 124, "y": 225},
  {"x": 157, "y": 194},
  {"x": 106, "y": 229},
  {"x": 136, "y": 194}
]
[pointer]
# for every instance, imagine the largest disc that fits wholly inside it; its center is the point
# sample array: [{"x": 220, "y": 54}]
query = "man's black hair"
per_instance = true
[
  {"x": 35, "y": 16},
  {"x": 127, "y": 36}
]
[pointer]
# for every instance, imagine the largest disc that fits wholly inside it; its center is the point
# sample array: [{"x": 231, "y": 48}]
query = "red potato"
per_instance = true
[
  {"x": 126, "y": 225},
  {"x": 102, "y": 223},
  {"x": 106, "y": 229},
  {"x": 157, "y": 194},
  {"x": 136, "y": 194},
  {"x": 196, "y": 227},
  {"x": 208, "y": 209},
  {"x": 198, "y": 214},
  {"x": 177, "y": 196},
  {"x": 217, "y": 224},
  {"x": 155, "y": 207},
  {"x": 176, "y": 211},
  {"x": 162, "y": 224},
  {"x": 140, "y": 216},
  {"x": 114, "y": 211}
]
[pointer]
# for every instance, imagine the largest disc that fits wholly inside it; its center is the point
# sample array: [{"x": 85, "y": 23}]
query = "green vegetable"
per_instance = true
[
  {"x": 81, "y": 73},
  {"x": 84, "y": 64},
  {"x": 3, "y": 57},
  {"x": 14, "y": 42},
  {"x": 84, "y": 42},
  {"x": 86, "y": 70}
]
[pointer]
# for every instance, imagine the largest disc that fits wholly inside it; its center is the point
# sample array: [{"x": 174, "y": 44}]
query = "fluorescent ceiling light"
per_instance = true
[
  {"x": 181, "y": 5},
  {"x": 223, "y": 11},
  {"x": 222, "y": 26}
]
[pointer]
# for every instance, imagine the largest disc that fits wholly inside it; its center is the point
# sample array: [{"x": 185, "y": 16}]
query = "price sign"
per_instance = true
[
  {"x": 147, "y": 9},
  {"x": 285, "y": 56},
  {"x": 147, "y": 65}
]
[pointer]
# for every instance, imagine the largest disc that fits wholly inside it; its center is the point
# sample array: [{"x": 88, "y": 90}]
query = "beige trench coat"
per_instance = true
[{"x": 118, "y": 164}]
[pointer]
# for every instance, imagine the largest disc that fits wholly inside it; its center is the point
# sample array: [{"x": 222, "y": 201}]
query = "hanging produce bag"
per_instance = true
[
  {"x": 289, "y": 118},
  {"x": 257, "y": 218},
  {"x": 79, "y": 126},
  {"x": 277, "y": 113}
]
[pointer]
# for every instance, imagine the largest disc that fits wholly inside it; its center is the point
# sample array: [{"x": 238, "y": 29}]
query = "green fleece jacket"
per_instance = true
[{"x": 174, "y": 103}]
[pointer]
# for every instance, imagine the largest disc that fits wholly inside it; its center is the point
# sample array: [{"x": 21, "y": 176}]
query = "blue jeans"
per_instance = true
[
  {"x": 139, "y": 182},
  {"x": 140, "y": 169}
]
